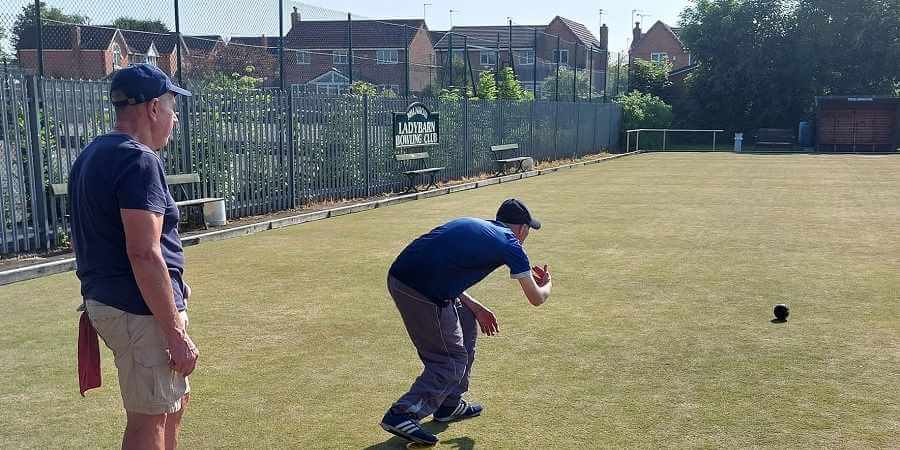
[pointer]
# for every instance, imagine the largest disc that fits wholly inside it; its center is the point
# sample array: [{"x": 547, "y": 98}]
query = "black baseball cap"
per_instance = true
[
  {"x": 514, "y": 212},
  {"x": 141, "y": 83}
]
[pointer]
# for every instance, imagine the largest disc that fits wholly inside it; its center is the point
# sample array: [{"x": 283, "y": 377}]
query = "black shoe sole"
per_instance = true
[
  {"x": 448, "y": 420},
  {"x": 403, "y": 435}
]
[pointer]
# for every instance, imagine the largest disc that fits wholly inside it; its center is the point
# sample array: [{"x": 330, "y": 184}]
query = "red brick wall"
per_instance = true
[
  {"x": 84, "y": 64},
  {"x": 657, "y": 40},
  {"x": 421, "y": 53}
]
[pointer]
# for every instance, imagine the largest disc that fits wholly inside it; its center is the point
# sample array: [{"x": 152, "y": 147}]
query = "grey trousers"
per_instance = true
[{"x": 445, "y": 340}]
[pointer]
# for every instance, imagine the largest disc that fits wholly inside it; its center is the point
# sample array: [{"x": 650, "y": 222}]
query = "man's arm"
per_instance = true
[
  {"x": 142, "y": 242},
  {"x": 536, "y": 295},
  {"x": 485, "y": 317}
]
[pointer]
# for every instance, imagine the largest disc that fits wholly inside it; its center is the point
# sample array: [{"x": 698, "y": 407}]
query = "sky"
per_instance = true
[{"x": 255, "y": 17}]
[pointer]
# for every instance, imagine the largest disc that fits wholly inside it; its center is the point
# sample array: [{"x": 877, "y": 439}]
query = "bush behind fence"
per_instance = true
[{"x": 267, "y": 150}]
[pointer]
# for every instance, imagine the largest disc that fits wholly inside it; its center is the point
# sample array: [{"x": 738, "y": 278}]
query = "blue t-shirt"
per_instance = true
[
  {"x": 455, "y": 256},
  {"x": 112, "y": 173}
]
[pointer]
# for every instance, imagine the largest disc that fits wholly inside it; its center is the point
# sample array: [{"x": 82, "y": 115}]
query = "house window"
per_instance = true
[
  {"x": 339, "y": 56},
  {"x": 488, "y": 58},
  {"x": 387, "y": 56},
  {"x": 659, "y": 57},
  {"x": 117, "y": 56},
  {"x": 302, "y": 57},
  {"x": 563, "y": 58},
  {"x": 524, "y": 57},
  {"x": 152, "y": 60}
]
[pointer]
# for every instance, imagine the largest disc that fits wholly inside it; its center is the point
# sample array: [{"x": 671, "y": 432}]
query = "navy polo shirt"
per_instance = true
[
  {"x": 112, "y": 173},
  {"x": 455, "y": 256}
]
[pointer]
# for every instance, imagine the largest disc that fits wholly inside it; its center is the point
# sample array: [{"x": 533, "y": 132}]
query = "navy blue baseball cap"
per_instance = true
[
  {"x": 140, "y": 83},
  {"x": 514, "y": 212}
]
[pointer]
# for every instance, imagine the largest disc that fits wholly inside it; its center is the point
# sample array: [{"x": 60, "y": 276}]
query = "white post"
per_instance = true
[
  {"x": 637, "y": 141},
  {"x": 714, "y": 141},
  {"x": 627, "y": 141},
  {"x": 664, "y": 140}
]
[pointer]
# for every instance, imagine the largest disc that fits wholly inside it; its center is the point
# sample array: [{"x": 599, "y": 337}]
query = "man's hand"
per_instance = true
[
  {"x": 541, "y": 275},
  {"x": 487, "y": 321},
  {"x": 182, "y": 353}
]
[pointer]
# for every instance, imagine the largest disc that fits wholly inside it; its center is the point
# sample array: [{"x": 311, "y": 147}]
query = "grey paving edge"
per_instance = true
[{"x": 66, "y": 265}]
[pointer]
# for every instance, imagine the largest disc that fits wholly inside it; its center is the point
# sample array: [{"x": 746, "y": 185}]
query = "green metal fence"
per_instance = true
[{"x": 266, "y": 150}]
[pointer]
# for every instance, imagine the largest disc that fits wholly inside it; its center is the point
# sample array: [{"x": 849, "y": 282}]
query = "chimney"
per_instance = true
[
  {"x": 636, "y": 34},
  {"x": 76, "y": 38},
  {"x": 295, "y": 17},
  {"x": 604, "y": 37}
]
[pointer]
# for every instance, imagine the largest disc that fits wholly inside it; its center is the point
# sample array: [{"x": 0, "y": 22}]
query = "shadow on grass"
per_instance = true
[
  {"x": 460, "y": 443},
  {"x": 778, "y": 320}
]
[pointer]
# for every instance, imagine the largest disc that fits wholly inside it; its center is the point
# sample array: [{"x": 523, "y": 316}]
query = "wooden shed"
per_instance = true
[{"x": 857, "y": 124}]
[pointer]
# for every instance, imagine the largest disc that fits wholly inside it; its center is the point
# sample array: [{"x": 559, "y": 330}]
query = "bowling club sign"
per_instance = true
[{"x": 417, "y": 127}]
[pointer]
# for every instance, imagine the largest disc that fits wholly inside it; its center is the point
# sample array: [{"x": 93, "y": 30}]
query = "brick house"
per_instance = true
[
  {"x": 258, "y": 52},
  {"x": 530, "y": 44},
  {"x": 661, "y": 43},
  {"x": 75, "y": 51},
  {"x": 316, "y": 54},
  {"x": 156, "y": 49}
]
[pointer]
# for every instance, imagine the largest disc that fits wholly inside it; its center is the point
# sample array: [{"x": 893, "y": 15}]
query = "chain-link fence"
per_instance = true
[
  {"x": 227, "y": 43},
  {"x": 269, "y": 127}
]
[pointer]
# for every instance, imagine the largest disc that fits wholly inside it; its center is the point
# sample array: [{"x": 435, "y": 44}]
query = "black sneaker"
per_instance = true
[
  {"x": 463, "y": 410},
  {"x": 407, "y": 426}
]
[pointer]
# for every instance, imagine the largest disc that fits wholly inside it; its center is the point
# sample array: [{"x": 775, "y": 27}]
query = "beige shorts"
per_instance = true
[{"x": 147, "y": 383}]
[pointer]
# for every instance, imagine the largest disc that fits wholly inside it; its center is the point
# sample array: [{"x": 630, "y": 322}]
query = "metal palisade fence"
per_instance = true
[{"x": 266, "y": 150}]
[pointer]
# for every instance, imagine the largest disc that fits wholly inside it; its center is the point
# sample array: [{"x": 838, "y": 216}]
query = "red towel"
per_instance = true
[{"x": 88, "y": 355}]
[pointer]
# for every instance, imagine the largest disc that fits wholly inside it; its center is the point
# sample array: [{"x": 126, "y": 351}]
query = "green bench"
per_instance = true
[
  {"x": 416, "y": 165},
  {"x": 58, "y": 192},
  {"x": 503, "y": 164}
]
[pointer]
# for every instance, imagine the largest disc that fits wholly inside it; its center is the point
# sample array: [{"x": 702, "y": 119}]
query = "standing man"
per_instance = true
[
  {"x": 129, "y": 256},
  {"x": 428, "y": 282}
]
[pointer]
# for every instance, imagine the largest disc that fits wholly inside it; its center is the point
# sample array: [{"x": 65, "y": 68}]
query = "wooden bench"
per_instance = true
[
  {"x": 417, "y": 165},
  {"x": 58, "y": 192},
  {"x": 504, "y": 163},
  {"x": 774, "y": 137},
  {"x": 182, "y": 181}
]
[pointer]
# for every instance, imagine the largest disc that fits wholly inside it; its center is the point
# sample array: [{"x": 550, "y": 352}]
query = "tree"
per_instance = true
[
  {"x": 651, "y": 78},
  {"x": 2, "y": 40},
  {"x": 510, "y": 88},
  {"x": 855, "y": 45},
  {"x": 644, "y": 111},
  {"x": 762, "y": 62},
  {"x": 24, "y": 24},
  {"x": 617, "y": 72},
  {"x": 487, "y": 86},
  {"x": 152, "y": 26},
  {"x": 548, "y": 86}
]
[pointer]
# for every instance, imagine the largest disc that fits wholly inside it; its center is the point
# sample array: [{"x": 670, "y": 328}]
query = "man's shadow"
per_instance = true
[{"x": 433, "y": 427}]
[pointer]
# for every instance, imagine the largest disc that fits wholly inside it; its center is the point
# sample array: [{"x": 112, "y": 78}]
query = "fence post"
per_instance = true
[
  {"x": 406, "y": 69},
  {"x": 534, "y": 70},
  {"x": 36, "y": 162},
  {"x": 556, "y": 126},
  {"x": 466, "y": 152},
  {"x": 577, "y": 129},
  {"x": 575, "y": 76},
  {"x": 590, "y": 72},
  {"x": 38, "y": 32},
  {"x": 558, "y": 57},
  {"x": 366, "y": 142},
  {"x": 664, "y": 140},
  {"x": 291, "y": 147},
  {"x": 531, "y": 126},
  {"x": 350, "y": 48},
  {"x": 281, "y": 43}
]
